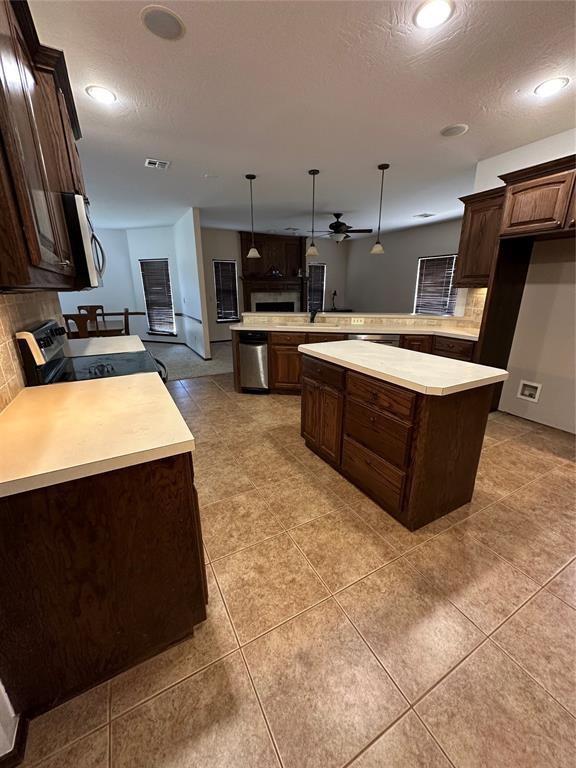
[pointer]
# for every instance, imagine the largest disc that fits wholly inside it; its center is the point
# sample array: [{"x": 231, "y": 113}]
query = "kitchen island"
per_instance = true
[{"x": 405, "y": 427}]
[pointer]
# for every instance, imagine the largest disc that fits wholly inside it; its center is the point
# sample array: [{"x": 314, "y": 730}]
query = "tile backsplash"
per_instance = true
[{"x": 17, "y": 312}]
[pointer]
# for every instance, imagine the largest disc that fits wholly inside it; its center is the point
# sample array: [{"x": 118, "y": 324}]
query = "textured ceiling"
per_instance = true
[{"x": 276, "y": 88}]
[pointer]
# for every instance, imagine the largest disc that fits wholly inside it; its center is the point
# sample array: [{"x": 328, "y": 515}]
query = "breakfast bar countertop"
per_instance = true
[
  {"x": 60, "y": 432},
  {"x": 467, "y": 334},
  {"x": 103, "y": 345},
  {"x": 417, "y": 371}
]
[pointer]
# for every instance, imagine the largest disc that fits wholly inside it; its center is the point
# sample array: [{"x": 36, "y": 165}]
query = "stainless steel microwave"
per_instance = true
[{"x": 89, "y": 256}]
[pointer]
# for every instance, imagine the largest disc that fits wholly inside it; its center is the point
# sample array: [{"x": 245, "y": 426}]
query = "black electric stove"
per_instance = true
[{"x": 42, "y": 351}]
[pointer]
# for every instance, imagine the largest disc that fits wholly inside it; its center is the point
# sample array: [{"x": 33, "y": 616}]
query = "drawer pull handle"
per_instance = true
[{"x": 372, "y": 420}]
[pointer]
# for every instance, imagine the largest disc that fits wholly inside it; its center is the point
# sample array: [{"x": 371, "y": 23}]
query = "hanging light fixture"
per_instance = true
[
  {"x": 253, "y": 252},
  {"x": 378, "y": 247},
  {"x": 312, "y": 250}
]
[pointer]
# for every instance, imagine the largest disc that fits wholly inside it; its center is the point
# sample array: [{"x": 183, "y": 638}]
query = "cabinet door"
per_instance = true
[
  {"x": 571, "y": 218},
  {"x": 310, "y": 427},
  {"x": 478, "y": 241},
  {"x": 331, "y": 404},
  {"x": 538, "y": 205},
  {"x": 416, "y": 343},
  {"x": 286, "y": 367}
]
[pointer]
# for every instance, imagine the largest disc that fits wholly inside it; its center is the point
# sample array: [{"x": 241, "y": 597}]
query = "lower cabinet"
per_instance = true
[
  {"x": 322, "y": 410},
  {"x": 459, "y": 349},
  {"x": 417, "y": 343},
  {"x": 285, "y": 368}
]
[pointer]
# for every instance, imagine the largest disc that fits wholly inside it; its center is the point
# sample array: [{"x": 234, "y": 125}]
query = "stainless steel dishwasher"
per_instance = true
[
  {"x": 390, "y": 339},
  {"x": 253, "y": 347}
]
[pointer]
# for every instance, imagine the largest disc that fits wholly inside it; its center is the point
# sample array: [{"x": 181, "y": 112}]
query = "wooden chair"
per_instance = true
[
  {"x": 95, "y": 312},
  {"x": 80, "y": 322}
]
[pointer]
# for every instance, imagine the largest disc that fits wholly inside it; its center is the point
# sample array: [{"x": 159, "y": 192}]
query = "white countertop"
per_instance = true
[
  {"x": 456, "y": 333},
  {"x": 59, "y": 432},
  {"x": 103, "y": 345},
  {"x": 428, "y": 374}
]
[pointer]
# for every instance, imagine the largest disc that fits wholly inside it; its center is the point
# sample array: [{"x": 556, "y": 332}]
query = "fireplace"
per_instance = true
[
  {"x": 275, "y": 306},
  {"x": 278, "y": 300}
]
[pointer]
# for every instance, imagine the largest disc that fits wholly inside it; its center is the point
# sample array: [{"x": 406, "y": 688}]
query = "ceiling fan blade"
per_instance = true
[{"x": 361, "y": 231}]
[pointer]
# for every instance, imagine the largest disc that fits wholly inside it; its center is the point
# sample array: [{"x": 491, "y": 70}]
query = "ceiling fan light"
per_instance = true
[
  {"x": 377, "y": 248},
  {"x": 253, "y": 254},
  {"x": 338, "y": 236},
  {"x": 312, "y": 250}
]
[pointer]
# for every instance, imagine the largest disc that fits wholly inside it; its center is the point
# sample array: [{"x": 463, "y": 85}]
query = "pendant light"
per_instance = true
[
  {"x": 312, "y": 250},
  {"x": 378, "y": 248},
  {"x": 253, "y": 252}
]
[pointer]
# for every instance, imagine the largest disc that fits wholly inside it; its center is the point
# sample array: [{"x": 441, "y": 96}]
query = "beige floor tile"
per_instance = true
[
  {"x": 299, "y": 498},
  {"x": 563, "y": 480},
  {"x": 211, "y": 640},
  {"x": 263, "y": 461},
  {"x": 498, "y": 431},
  {"x": 500, "y": 417},
  {"x": 546, "y": 507},
  {"x": 342, "y": 548},
  {"x": 266, "y": 585},
  {"x": 89, "y": 752},
  {"x": 489, "y": 712},
  {"x": 213, "y": 456},
  {"x": 324, "y": 694},
  {"x": 237, "y": 522},
  {"x": 541, "y": 637},
  {"x": 496, "y": 481},
  {"x": 68, "y": 722},
  {"x": 517, "y": 460},
  {"x": 214, "y": 485},
  {"x": 564, "y": 585},
  {"x": 524, "y": 541},
  {"x": 548, "y": 443},
  {"x": 413, "y": 628},
  {"x": 406, "y": 745},
  {"x": 400, "y": 537},
  {"x": 210, "y": 720},
  {"x": 484, "y": 587}
]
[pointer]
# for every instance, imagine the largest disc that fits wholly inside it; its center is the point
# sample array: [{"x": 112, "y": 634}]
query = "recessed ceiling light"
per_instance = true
[
  {"x": 103, "y": 95},
  {"x": 455, "y": 130},
  {"x": 550, "y": 87},
  {"x": 433, "y": 13},
  {"x": 162, "y": 22}
]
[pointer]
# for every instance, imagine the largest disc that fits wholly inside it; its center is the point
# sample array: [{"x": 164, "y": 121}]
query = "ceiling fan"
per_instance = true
[{"x": 339, "y": 230}]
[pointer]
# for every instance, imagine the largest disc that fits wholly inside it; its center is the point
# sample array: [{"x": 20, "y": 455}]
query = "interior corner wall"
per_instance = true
[
  {"x": 387, "y": 282},
  {"x": 220, "y": 245},
  {"x": 335, "y": 256},
  {"x": 544, "y": 341},
  {"x": 550, "y": 148}
]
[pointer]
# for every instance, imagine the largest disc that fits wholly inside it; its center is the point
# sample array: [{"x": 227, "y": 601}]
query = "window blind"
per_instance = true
[
  {"x": 158, "y": 296},
  {"x": 435, "y": 290},
  {"x": 226, "y": 291},
  {"x": 316, "y": 286}
]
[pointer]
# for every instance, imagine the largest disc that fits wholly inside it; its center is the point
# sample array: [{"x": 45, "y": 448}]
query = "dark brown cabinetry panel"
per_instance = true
[
  {"x": 416, "y": 343},
  {"x": 331, "y": 404},
  {"x": 382, "y": 434},
  {"x": 479, "y": 238},
  {"x": 397, "y": 401},
  {"x": 285, "y": 368},
  {"x": 94, "y": 580},
  {"x": 381, "y": 480},
  {"x": 321, "y": 338},
  {"x": 286, "y": 338},
  {"x": 324, "y": 373},
  {"x": 310, "y": 414},
  {"x": 459, "y": 349},
  {"x": 537, "y": 205}
]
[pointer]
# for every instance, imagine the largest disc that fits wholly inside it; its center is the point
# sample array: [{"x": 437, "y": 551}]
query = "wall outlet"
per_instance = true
[
  {"x": 357, "y": 320},
  {"x": 529, "y": 390}
]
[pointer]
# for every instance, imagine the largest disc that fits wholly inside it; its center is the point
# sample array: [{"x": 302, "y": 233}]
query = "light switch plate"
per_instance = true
[{"x": 357, "y": 321}]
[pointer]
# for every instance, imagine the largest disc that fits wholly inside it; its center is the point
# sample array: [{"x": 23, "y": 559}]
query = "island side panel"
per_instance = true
[
  {"x": 98, "y": 574},
  {"x": 449, "y": 432}
]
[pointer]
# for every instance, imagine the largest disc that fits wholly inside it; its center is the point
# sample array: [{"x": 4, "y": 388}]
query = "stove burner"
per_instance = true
[{"x": 101, "y": 370}]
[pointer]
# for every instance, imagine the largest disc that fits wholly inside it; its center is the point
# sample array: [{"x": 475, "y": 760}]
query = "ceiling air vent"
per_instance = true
[{"x": 160, "y": 165}]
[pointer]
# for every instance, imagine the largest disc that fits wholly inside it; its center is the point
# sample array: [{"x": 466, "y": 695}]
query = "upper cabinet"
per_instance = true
[
  {"x": 38, "y": 159},
  {"x": 538, "y": 199},
  {"x": 479, "y": 237}
]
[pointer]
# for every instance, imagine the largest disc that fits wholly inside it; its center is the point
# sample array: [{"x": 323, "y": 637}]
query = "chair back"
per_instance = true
[
  {"x": 95, "y": 312},
  {"x": 80, "y": 329},
  {"x": 126, "y": 321}
]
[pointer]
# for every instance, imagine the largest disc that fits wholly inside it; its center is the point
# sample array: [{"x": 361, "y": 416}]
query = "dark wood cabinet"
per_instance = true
[
  {"x": 459, "y": 349},
  {"x": 537, "y": 205},
  {"x": 478, "y": 246},
  {"x": 571, "y": 218},
  {"x": 322, "y": 409},
  {"x": 285, "y": 368},
  {"x": 416, "y": 343},
  {"x": 37, "y": 164}
]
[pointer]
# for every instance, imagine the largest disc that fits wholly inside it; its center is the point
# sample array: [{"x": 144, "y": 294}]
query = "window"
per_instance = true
[
  {"x": 435, "y": 289},
  {"x": 226, "y": 291},
  {"x": 316, "y": 286},
  {"x": 158, "y": 297}
]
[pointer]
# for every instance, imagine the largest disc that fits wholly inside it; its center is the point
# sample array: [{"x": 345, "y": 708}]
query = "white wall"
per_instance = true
[
  {"x": 335, "y": 256},
  {"x": 220, "y": 244},
  {"x": 550, "y": 148},
  {"x": 386, "y": 283},
  {"x": 190, "y": 264},
  {"x": 544, "y": 342}
]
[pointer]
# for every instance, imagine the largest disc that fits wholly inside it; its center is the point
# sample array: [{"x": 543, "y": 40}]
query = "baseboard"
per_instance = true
[{"x": 16, "y": 754}]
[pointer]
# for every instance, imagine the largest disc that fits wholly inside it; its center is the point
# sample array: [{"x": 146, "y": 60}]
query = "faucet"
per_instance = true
[{"x": 313, "y": 314}]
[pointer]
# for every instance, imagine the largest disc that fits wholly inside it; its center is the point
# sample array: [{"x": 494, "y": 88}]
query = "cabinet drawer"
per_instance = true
[
  {"x": 380, "y": 479},
  {"x": 291, "y": 339},
  {"x": 322, "y": 372},
  {"x": 416, "y": 343},
  {"x": 395, "y": 400},
  {"x": 457, "y": 348},
  {"x": 320, "y": 338},
  {"x": 382, "y": 434}
]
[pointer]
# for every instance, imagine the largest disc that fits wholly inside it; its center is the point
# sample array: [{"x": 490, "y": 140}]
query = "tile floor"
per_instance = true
[{"x": 335, "y": 637}]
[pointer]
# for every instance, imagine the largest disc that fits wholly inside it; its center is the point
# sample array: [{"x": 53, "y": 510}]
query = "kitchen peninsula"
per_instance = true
[{"x": 405, "y": 427}]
